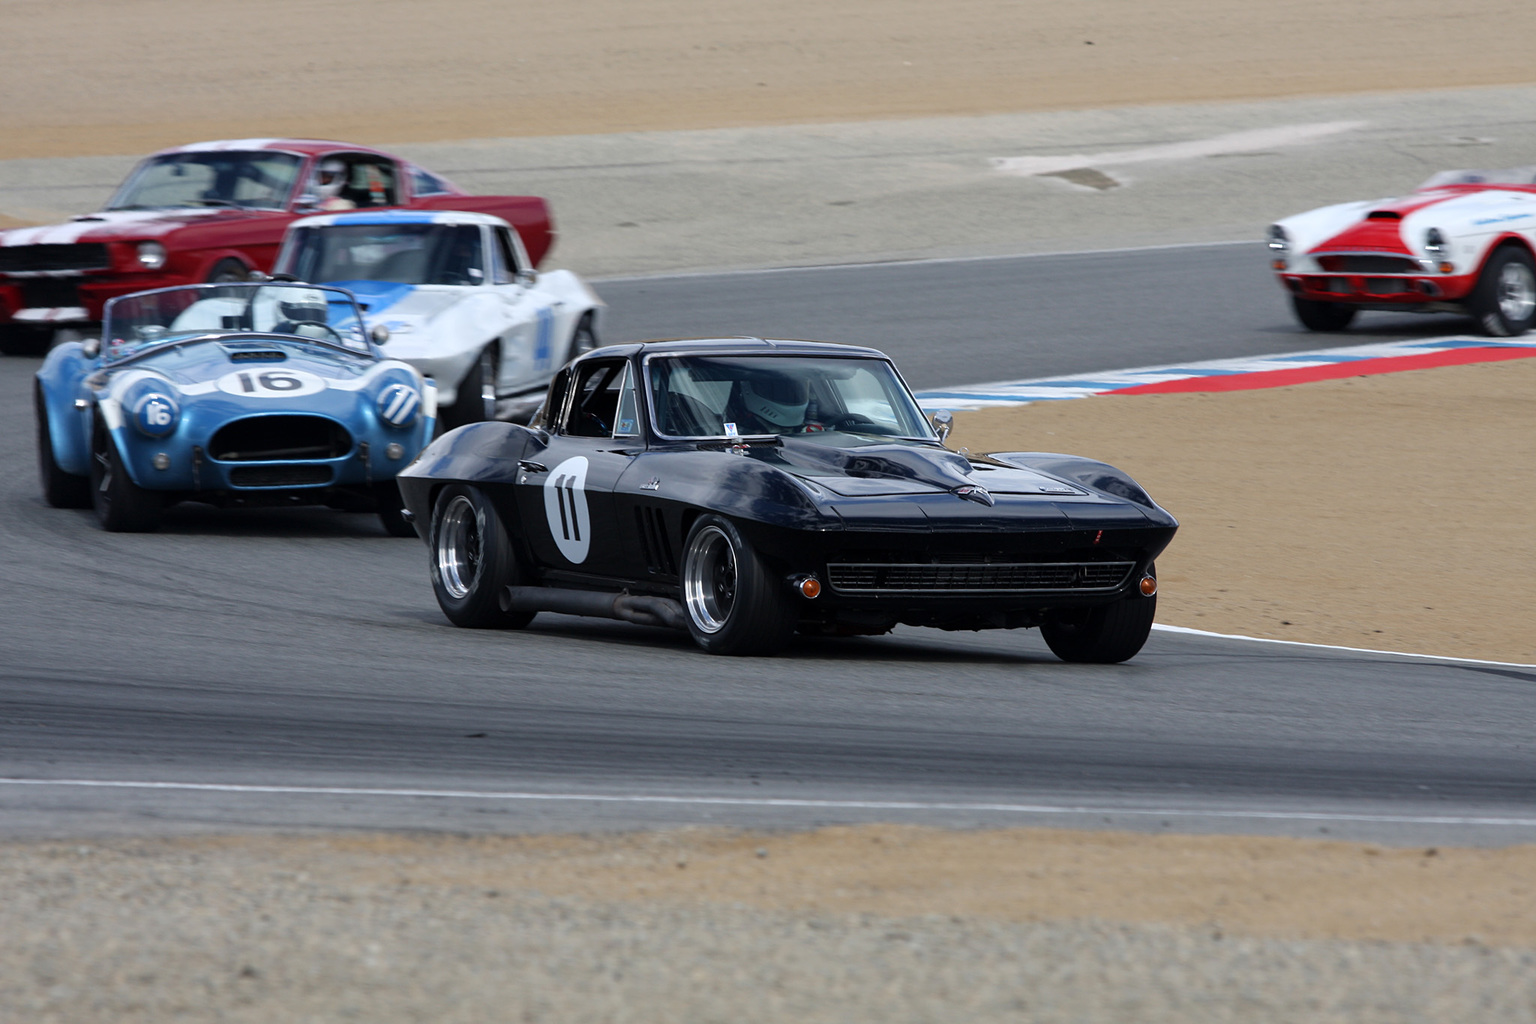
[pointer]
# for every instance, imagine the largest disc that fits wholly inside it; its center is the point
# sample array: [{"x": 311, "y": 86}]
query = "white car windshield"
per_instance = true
[
  {"x": 257, "y": 179},
  {"x": 402, "y": 253},
  {"x": 743, "y": 396},
  {"x": 1509, "y": 176},
  {"x": 145, "y": 320}
]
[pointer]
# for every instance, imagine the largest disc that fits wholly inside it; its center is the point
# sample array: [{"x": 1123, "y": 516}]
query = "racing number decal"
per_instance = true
[
  {"x": 255, "y": 383},
  {"x": 565, "y": 506}
]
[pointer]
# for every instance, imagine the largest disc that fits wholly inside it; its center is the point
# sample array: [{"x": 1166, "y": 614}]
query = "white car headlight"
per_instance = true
[
  {"x": 1434, "y": 242},
  {"x": 1279, "y": 242},
  {"x": 151, "y": 255}
]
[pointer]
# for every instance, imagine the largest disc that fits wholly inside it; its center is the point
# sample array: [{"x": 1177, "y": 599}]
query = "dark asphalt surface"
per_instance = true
[{"x": 277, "y": 653}]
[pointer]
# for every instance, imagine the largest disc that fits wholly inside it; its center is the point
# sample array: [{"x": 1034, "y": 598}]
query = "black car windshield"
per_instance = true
[
  {"x": 752, "y": 395},
  {"x": 256, "y": 179},
  {"x": 402, "y": 253},
  {"x": 144, "y": 320}
]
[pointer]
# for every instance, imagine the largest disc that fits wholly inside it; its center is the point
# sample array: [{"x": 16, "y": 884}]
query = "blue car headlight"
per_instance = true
[
  {"x": 155, "y": 413},
  {"x": 399, "y": 404}
]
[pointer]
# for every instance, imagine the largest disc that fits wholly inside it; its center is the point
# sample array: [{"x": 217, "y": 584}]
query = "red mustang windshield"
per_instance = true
[{"x": 258, "y": 179}]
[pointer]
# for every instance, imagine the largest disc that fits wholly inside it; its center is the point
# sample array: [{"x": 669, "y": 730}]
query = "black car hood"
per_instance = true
[{"x": 882, "y": 468}]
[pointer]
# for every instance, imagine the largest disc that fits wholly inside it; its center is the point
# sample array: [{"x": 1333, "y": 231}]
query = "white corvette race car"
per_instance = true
[
  {"x": 459, "y": 298},
  {"x": 1462, "y": 243}
]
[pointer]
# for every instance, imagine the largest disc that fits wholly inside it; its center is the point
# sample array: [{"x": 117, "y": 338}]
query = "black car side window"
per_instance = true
[
  {"x": 595, "y": 399},
  {"x": 549, "y": 413}
]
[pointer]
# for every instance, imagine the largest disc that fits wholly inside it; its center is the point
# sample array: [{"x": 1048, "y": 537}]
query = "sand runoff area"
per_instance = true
[{"x": 1386, "y": 512}]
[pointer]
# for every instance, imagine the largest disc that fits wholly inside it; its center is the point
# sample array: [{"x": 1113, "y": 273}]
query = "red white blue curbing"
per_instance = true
[{"x": 1237, "y": 374}]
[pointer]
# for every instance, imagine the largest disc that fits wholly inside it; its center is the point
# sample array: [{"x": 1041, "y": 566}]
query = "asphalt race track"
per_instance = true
[{"x": 290, "y": 669}]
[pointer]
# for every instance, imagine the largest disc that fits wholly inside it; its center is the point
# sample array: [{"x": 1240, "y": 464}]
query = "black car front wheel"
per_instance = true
[
  {"x": 122, "y": 506},
  {"x": 472, "y": 560},
  {"x": 734, "y": 605},
  {"x": 1105, "y": 635}
]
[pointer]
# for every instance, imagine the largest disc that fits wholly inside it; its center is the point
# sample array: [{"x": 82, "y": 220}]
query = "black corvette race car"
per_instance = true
[{"x": 744, "y": 489}]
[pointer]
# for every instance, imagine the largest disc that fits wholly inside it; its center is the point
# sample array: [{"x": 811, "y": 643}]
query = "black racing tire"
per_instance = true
[
  {"x": 471, "y": 559},
  {"x": 60, "y": 489},
  {"x": 1106, "y": 635},
  {"x": 25, "y": 340},
  {"x": 122, "y": 506},
  {"x": 583, "y": 338},
  {"x": 472, "y": 405},
  {"x": 228, "y": 271},
  {"x": 1504, "y": 301},
  {"x": 391, "y": 510},
  {"x": 1326, "y": 317},
  {"x": 732, "y": 602}
]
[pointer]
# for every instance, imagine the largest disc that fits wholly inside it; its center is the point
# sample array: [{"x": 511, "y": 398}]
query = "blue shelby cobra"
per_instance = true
[{"x": 232, "y": 394}]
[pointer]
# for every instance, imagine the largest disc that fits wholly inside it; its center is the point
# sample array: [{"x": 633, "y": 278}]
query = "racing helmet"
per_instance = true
[
  {"x": 331, "y": 178},
  {"x": 776, "y": 398},
  {"x": 303, "y": 305}
]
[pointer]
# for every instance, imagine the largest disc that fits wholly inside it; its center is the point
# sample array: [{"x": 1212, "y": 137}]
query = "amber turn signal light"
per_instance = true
[
  {"x": 809, "y": 586},
  {"x": 1148, "y": 586}
]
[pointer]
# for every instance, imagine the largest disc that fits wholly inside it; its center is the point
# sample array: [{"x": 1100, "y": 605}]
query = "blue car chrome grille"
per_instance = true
[{"x": 883, "y": 577}]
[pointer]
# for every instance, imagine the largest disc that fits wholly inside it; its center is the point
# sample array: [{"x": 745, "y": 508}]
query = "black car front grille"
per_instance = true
[
  {"x": 894, "y": 577},
  {"x": 280, "y": 476},
  {"x": 78, "y": 256},
  {"x": 1366, "y": 264},
  {"x": 292, "y": 438},
  {"x": 49, "y": 292}
]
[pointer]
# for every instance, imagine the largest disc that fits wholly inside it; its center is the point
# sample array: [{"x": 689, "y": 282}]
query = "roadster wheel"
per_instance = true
[
  {"x": 391, "y": 510},
  {"x": 734, "y": 605},
  {"x": 476, "y": 400},
  {"x": 1504, "y": 302},
  {"x": 122, "y": 506},
  {"x": 1323, "y": 316},
  {"x": 60, "y": 489},
  {"x": 472, "y": 559},
  {"x": 1105, "y": 635}
]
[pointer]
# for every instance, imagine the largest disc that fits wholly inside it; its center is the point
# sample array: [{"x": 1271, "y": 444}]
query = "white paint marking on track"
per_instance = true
[
  {"x": 1336, "y": 647},
  {"x": 1252, "y": 141},
  {"x": 1083, "y": 385},
  {"x": 772, "y": 802}
]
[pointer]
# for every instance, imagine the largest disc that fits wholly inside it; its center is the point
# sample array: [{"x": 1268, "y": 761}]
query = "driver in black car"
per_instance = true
[{"x": 770, "y": 403}]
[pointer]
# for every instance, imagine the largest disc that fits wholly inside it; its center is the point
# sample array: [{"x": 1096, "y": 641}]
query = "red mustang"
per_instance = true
[{"x": 213, "y": 211}]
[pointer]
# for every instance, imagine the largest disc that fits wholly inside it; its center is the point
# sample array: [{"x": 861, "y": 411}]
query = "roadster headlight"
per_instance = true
[
  {"x": 1434, "y": 242},
  {"x": 151, "y": 255},
  {"x": 1279, "y": 242},
  {"x": 399, "y": 404},
  {"x": 155, "y": 414}
]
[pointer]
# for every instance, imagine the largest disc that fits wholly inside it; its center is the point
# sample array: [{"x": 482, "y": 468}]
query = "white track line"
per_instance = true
[
  {"x": 771, "y": 802},
  {"x": 1337, "y": 647}
]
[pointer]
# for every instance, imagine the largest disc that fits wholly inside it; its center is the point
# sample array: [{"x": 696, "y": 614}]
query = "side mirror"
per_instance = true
[
  {"x": 90, "y": 348},
  {"x": 943, "y": 422},
  {"x": 306, "y": 203},
  {"x": 379, "y": 333},
  {"x": 528, "y": 277},
  {"x": 257, "y": 277}
]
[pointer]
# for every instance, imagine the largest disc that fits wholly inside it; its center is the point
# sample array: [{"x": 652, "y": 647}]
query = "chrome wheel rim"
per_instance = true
[
  {"x": 458, "y": 547},
  {"x": 1517, "y": 292},
  {"x": 709, "y": 579}
]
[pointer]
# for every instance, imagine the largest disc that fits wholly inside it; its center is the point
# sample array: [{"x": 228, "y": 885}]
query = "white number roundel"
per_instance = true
[
  {"x": 259, "y": 383},
  {"x": 565, "y": 505}
]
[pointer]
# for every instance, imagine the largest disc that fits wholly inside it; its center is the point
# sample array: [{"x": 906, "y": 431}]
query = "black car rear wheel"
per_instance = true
[
  {"x": 122, "y": 506},
  {"x": 472, "y": 560},
  {"x": 1323, "y": 316},
  {"x": 1105, "y": 635},
  {"x": 734, "y": 605}
]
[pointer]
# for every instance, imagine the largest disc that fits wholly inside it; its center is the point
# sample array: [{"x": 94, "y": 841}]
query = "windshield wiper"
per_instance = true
[{"x": 215, "y": 202}]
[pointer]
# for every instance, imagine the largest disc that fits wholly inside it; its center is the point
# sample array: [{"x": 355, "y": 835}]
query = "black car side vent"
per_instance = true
[
  {"x": 258, "y": 356},
  {"x": 1383, "y": 215},
  {"x": 652, "y": 525}
]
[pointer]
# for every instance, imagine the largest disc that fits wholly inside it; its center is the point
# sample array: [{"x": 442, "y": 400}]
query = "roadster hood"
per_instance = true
[{"x": 892, "y": 468}]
